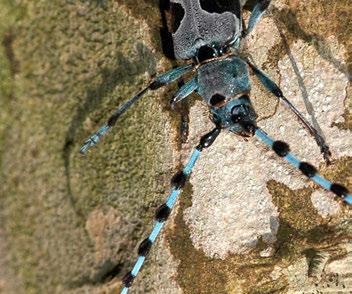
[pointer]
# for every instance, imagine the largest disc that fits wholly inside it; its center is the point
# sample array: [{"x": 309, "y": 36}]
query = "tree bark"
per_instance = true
[{"x": 246, "y": 222}]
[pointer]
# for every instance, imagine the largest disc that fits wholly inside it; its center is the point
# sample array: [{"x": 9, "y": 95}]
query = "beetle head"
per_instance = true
[{"x": 237, "y": 115}]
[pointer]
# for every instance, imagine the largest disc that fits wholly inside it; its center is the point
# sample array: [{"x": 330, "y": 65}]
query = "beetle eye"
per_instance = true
[
  {"x": 205, "y": 53},
  {"x": 236, "y": 118},
  {"x": 238, "y": 113}
]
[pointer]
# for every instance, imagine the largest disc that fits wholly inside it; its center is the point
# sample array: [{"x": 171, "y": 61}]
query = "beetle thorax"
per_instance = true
[{"x": 221, "y": 80}]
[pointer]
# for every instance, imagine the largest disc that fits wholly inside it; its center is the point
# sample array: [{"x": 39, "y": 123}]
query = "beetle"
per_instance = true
[{"x": 206, "y": 37}]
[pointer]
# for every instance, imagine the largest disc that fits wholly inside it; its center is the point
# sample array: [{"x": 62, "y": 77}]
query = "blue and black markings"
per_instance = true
[
  {"x": 208, "y": 37},
  {"x": 161, "y": 215},
  {"x": 306, "y": 168},
  {"x": 179, "y": 180}
]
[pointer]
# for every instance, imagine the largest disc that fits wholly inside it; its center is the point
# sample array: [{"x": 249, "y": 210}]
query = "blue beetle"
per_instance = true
[{"x": 207, "y": 36}]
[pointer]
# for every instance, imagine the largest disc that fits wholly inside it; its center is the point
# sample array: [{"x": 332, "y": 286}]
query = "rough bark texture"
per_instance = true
[{"x": 246, "y": 223}]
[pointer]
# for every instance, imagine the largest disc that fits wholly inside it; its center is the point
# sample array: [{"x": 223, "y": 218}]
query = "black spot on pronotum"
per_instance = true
[
  {"x": 127, "y": 279},
  {"x": 179, "y": 180},
  {"x": 281, "y": 148},
  {"x": 162, "y": 213},
  {"x": 209, "y": 6},
  {"x": 338, "y": 189},
  {"x": 144, "y": 247},
  {"x": 217, "y": 100},
  {"x": 307, "y": 169}
]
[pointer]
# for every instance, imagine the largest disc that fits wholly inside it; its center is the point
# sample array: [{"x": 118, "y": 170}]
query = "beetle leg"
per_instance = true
[
  {"x": 161, "y": 80},
  {"x": 186, "y": 90},
  {"x": 256, "y": 15},
  {"x": 274, "y": 89}
]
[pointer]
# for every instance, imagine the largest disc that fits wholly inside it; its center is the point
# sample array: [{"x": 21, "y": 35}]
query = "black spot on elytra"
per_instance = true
[{"x": 221, "y": 6}]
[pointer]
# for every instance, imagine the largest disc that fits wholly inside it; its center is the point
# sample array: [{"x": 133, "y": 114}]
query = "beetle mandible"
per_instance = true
[{"x": 207, "y": 38}]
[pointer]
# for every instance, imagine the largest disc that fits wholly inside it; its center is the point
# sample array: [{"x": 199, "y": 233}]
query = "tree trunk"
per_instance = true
[{"x": 246, "y": 222}]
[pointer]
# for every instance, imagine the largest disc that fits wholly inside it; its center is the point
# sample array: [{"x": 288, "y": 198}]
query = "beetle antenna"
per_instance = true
[
  {"x": 282, "y": 149},
  {"x": 178, "y": 181}
]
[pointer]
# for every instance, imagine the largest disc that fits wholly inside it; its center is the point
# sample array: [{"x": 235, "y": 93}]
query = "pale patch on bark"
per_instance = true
[
  {"x": 98, "y": 225},
  {"x": 325, "y": 204}
]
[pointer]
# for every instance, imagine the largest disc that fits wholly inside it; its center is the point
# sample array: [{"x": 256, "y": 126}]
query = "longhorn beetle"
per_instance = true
[{"x": 207, "y": 35}]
